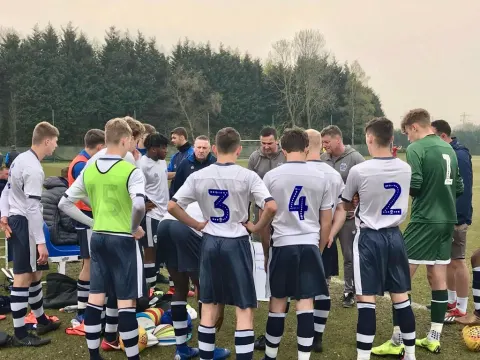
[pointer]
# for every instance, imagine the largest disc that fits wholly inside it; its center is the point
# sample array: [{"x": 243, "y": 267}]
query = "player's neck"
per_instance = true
[
  {"x": 39, "y": 151},
  {"x": 313, "y": 155},
  {"x": 423, "y": 132},
  {"x": 115, "y": 150},
  {"x": 89, "y": 152},
  {"x": 226, "y": 158},
  {"x": 296, "y": 156},
  {"x": 380, "y": 152}
]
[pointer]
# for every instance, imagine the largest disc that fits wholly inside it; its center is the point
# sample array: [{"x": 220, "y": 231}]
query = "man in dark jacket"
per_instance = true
[
  {"x": 3, "y": 178},
  {"x": 180, "y": 141},
  {"x": 61, "y": 228},
  {"x": 11, "y": 156},
  {"x": 457, "y": 271},
  {"x": 199, "y": 159}
]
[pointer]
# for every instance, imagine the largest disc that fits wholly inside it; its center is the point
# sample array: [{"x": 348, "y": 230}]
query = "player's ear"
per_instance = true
[
  {"x": 214, "y": 149},
  {"x": 284, "y": 153},
  {"x": 239, "y": 150}
]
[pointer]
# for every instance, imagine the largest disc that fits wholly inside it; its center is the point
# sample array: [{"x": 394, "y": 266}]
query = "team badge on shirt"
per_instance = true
[{"x": 343, "y": 167}]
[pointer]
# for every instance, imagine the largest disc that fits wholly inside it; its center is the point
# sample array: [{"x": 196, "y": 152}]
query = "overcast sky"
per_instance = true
[{"x": 417, "y": 53}]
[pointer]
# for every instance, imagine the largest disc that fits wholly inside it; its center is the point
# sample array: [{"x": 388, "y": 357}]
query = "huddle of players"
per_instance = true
[{"x": 300, "y": 215}]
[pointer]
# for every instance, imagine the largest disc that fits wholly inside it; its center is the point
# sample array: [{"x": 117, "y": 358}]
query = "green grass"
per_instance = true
[{"x": 339, "y": 339}]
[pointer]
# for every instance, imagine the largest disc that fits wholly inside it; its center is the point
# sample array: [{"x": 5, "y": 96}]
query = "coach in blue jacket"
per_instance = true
[
  {"x": 201, "y": 158},
  {"x": 457, "y": 272},
  {"x": 180, "y": 141}
]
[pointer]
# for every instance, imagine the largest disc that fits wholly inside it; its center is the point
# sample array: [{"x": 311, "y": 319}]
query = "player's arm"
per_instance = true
[
  {"x": 263, "y": 200},
  {"x": 75, "y": 193},
  {"x": 339, "y": 218},
  {"x": 326, "y": 206},
  {"x": 415, "y": 162},
  {"x": 351, "y": 188},
  {"x": 184, "y": 196},
  {"x": 136, "y": 189},
  {"x": 78, "y": 168},
  {"x": 463, "y": 175},
  {"x": 4, "y": 204},
  {"x": 171, "y": 167},
  {"x": 33, "y": 186}
]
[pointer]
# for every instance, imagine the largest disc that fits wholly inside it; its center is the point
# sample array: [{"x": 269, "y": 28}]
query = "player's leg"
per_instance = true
[
  {"x": 96, "y": 298},
  {"x": 346, "y": 236},
  {"x": 369, "y": 253},
  {"x": 35, "y": 300},
  {"x": 173, "y": 239},
  {"x": 458, "y": 276},
  {"x": 149, "y": 252},
  {"x": 110, "y": 336},
  {"x": 437, "y": 277},
  {"x": 24, "y": 266},
  {"x": 398, "y": 284},
  {"x": 474, "y": 319},
  {"x": 83, "y": 283},
  {"x": 239, "y": 286},
  {"x": 275, "y": 327},
  {"x": 125, "y": 267},
  {"x": 211, "y": 294}
]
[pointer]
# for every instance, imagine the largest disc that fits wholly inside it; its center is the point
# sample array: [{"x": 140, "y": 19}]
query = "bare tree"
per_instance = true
[
  {"x": 192, "y": 97},
  {"x": 283, "y": 58},
  {"x": 357, "y": 79}
]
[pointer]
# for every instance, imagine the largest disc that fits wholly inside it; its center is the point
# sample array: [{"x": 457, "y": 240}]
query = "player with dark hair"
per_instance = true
[
  {"x": 428, "y": 236},
  {"x": 226, "y": 269},
  {"x": 154, "y": 169},
  {"x": 380, "y": 258}
]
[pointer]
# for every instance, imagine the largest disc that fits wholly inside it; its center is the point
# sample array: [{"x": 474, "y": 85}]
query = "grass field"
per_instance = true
[{"x": 339, "y": 338}]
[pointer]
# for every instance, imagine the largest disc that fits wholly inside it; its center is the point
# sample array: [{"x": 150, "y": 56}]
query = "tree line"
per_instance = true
[{"x": 63, "y": 77}]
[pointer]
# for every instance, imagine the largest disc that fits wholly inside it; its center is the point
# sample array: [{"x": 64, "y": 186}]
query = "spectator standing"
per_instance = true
[
  {"x": 179, "y": 139},
  {"x": 458, "y": 276},
  {"x": 201, "y": 158},
  {"x": 342, "y": 158}
]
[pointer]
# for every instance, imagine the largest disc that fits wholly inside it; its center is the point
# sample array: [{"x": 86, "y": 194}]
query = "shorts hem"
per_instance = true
[
  {"x": 294, "y": 297},
  {"x": 231, "y": 303},
  {"x": 429, "y": 262},
  {"x": 23, "y": 271}
]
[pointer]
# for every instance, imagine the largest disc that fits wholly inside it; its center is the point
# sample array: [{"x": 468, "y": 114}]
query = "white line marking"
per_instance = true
[{"x": 416, "y": 306}]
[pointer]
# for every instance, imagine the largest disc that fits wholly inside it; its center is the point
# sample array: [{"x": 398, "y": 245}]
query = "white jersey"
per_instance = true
[
  {"x": 383, "y": 185},
  {"x": 25, "y": 180},
  {"x": 128, "y": 157},
  {"x": 223, "y": 192},
  {"x": 194, "y": 211},
  {"x": 333, "y": 178},
  {"x": 300, "y": 192},
  {"x": 156, "y": 185}
]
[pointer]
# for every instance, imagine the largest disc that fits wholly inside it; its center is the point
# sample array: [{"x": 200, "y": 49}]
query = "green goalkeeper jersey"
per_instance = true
[{"x": 436, "y": 180}]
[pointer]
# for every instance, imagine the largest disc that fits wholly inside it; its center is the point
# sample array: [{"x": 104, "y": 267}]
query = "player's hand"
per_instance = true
[
  {"x": 136, "y": 154},
  {"x": 42, "y": 254},
  {"x": 5, "y": 227},
  {"x": 201, "y": 225},
  {"x": 149, "y": 206},
  {"x": 250, "y": 227},
  {"x": 330, "y": 241},
  {"x": 139, "y": 233},
  {"x": 355, "y": 200}
]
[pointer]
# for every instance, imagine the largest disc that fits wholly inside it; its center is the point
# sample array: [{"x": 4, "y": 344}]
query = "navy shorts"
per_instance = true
[
  {"x": 380, "y": 262},
  {"x": 116, "y": 266},
  {"x": 149, "y": 225},
  {"x": 178, "y": 246},
  {"x": 84, "y": 236},
  {"x": 24, "y": 248},
  {"x": 226, "y": 272},
  {"x": 296, "y": 271}
]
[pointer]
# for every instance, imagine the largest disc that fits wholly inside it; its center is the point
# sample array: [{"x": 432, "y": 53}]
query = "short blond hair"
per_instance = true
[
  {"x": 136, "y": 126},
  {"x": 44, "y": 130},
  {"x": 115, "y": 130},
  {"x": 416, "y": 116}
]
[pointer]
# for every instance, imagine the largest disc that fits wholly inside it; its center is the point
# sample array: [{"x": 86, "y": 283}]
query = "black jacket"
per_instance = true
[
  {"x": 189, "y": 165},
  {"x": 62, "y": 230},
  {"x": 464, "y": 201}
]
